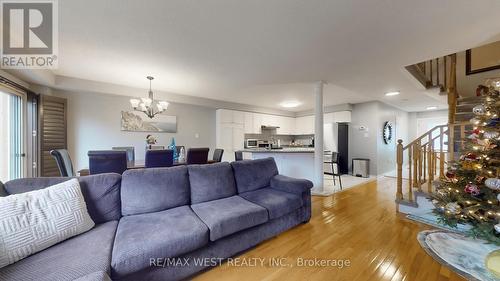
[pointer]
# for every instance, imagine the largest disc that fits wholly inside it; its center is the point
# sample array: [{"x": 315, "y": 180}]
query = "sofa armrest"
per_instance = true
[{"x": 291, "y": 185}]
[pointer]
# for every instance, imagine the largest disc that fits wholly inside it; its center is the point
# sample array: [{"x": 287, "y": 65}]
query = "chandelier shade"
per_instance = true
[{"x": 149, "y": 105}]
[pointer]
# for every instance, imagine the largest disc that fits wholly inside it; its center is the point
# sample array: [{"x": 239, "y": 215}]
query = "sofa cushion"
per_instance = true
[
  {"x": 33, "y": 221},
  {"x": 211, "y": 182},
  {"x": 101, "y": 193},
  {"x": 229, "y": 215},
  {"x": 154, "y": 189},
  {"x": 95, "y": 276},
  {"x": 277, "y": 203},
  {"x": 164, "y": 234},
  {"x": 254, "y": 174},
  {"x": 68, "y": 260}
]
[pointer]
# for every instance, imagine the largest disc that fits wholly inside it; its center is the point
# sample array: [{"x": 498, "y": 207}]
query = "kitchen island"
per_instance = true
[{"x": 292, "y": 162}]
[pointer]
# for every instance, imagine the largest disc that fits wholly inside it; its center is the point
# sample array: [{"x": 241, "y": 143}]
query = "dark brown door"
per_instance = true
[{"x": 53, "y": 132}]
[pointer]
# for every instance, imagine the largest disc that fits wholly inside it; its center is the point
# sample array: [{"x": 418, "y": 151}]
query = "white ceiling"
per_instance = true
[{"x": 264, "y": 52}]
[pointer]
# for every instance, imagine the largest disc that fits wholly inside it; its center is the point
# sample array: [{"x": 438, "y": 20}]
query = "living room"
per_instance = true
[{"x": 174, "y": 140}]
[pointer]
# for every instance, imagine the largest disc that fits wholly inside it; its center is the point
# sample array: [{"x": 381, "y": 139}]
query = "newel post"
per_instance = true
[{"x": 399, "y": 161}]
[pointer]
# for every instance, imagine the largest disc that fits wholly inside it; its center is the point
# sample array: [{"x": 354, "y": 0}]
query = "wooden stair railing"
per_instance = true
[{"x": 427, "y": 157}]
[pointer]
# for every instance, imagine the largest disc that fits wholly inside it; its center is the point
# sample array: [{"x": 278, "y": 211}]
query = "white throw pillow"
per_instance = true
[{"x": 36, "y": 220}]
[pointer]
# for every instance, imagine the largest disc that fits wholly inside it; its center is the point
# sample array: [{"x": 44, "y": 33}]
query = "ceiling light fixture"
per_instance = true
[
  {"x": 149, "y": 105},
  {"x": 290, "y": 104},
  {"x": 388, "y": 94},
  {"x": 432, "y": 107}
]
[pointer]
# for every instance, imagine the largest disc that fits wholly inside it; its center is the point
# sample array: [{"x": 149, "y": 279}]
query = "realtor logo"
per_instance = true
[{"x": 29, "y": 34}]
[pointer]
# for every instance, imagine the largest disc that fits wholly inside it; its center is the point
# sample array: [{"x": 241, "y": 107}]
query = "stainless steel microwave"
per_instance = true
[{"x": 251, "y": 143}]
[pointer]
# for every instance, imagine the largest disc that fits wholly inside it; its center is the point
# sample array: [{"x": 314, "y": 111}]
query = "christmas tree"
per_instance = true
[{"x": 470, "y": 191}]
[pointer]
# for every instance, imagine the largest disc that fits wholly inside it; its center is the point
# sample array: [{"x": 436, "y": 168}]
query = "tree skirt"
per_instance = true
[{"x": 463, "y": 255}]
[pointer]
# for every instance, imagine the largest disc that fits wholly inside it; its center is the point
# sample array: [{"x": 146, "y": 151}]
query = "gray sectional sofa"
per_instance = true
[{"x": 149, "y": 216}]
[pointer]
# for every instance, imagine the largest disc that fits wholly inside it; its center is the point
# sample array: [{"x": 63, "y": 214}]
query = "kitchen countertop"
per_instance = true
[{"x": 284, "y": 150}]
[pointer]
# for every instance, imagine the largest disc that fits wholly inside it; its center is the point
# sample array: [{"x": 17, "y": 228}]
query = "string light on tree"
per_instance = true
[{"x": 470, "y": 191}]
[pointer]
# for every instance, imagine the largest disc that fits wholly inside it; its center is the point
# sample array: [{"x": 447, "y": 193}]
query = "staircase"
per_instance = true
[{"x": 423, "y": 161}]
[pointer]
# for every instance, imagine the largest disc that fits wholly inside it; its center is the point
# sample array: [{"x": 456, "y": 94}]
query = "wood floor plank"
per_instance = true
[{"x": 359, "y": 224}]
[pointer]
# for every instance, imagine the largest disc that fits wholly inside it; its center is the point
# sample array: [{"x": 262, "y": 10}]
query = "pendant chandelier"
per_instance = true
[{"x": 149, "y": 105}]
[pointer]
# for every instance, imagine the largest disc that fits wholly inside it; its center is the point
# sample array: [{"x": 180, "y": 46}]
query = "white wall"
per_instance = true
[
  {"x": 369, "y": 143},
  {"x": 467, "y": 84},
  {"x": 94, "y": 124}
]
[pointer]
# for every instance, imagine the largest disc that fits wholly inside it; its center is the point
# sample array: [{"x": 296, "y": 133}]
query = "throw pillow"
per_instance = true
[{"x": 33, "y": 221}]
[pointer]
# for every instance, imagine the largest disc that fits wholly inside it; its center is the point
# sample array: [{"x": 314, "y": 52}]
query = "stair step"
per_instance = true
[{"x": 470, "y": 100}]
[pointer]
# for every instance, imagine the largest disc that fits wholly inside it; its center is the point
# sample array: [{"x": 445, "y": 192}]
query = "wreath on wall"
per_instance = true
[{"x": 387, "y": 132}]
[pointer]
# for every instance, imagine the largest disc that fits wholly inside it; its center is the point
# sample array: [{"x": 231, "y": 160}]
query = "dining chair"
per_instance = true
[
  {"x": 238, "y": 156},
  {"x": 334, "y": 162},
  {"x": 107, "y": 161},
  {"x": 217, "y": 157},
  {"x": 130, "y": 152},
  {"x": 197, "y": 155},
  {"x": 159, "y": 158},
  {"x": 63, "y": 162}
]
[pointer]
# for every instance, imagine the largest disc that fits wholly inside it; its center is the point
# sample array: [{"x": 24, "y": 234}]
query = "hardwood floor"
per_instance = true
[{"x": 359, "y": 224}]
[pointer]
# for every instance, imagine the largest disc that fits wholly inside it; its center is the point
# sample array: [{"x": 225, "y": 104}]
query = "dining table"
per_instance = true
[{"x": 137, "y": 164}]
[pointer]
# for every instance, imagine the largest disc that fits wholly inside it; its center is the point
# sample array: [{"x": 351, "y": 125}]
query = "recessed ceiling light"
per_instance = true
[
  {"x": 388, "y": 94},
  {"x": 431, "y": 107},
  {"x": 290, "y": 104}
]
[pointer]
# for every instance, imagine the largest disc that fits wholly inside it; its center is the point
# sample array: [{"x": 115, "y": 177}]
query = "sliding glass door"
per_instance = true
[{"x": 12, "y": 136}]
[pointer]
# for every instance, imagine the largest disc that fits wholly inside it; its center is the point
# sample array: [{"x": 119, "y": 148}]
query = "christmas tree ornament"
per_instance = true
[
  {"x": 475, "y": 121},
  {"x": 453, "y": 208},
  {"x": 472, "y": 189},
  {"x": 490, "y": 135},
  {"x": 492, "y": 183},
  {"x": 468, "y": 165},
  {"x": 450, "y": 174},
  {"x": 473, "y": 136},
  {"x": 492, "y": 122},
  {"x": 492, "y": 263},
  {"x": 479, "y": 110}
]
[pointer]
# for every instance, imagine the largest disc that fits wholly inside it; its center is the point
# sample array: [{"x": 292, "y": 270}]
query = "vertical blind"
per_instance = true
[{"x": 16, "y": 140}]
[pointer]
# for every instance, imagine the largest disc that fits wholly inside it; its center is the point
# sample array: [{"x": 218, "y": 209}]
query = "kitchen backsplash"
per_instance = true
[{"x": 285, "y": 140}]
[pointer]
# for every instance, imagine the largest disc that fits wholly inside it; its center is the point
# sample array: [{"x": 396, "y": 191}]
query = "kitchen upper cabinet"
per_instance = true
[
  {"x": 270, "y": 120},
  {"x": 230, "y": 116},
  {"x": 249, "y": 128},
  {"x": 239, "y": 117},
  {"x": 338, "y": 117},
  {"x": 257, "y": 123},
  {"x": 304, "y": 125},
  {"x": 286, "y": 125}
]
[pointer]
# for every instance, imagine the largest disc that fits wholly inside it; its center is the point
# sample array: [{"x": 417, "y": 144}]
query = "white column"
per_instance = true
[{"x": 318, "y": 138}]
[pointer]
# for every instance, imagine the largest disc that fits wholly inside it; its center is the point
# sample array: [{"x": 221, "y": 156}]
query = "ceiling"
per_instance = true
[{"x": 264, "y": 52}]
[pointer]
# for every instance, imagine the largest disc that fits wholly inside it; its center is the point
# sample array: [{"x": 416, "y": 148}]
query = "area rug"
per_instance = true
[
  {"x": 428, "y": 217},
  {"x": 463, "y": 255}
]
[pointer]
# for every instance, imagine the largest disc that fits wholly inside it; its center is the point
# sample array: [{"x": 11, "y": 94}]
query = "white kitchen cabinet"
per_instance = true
[
  {"x": 230, "y": 116},
  {"x": 249, "y": 128},
  {"x": 257, "y": 123},
  {"x": 286, "y": 125},
  {"x": 270, "y": 120},
  {"x": 337, "y": 117},
  {"x": 230, "y": 132},
  {"x": 238, "y": 117},
  {"x": 238, "y": 138},
  {"x": 304, "y": 125},
  {"x": 342, "y": 116}
]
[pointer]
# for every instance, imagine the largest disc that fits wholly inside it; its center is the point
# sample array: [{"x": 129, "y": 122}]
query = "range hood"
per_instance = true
[{"x": 264, "y": 127}]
